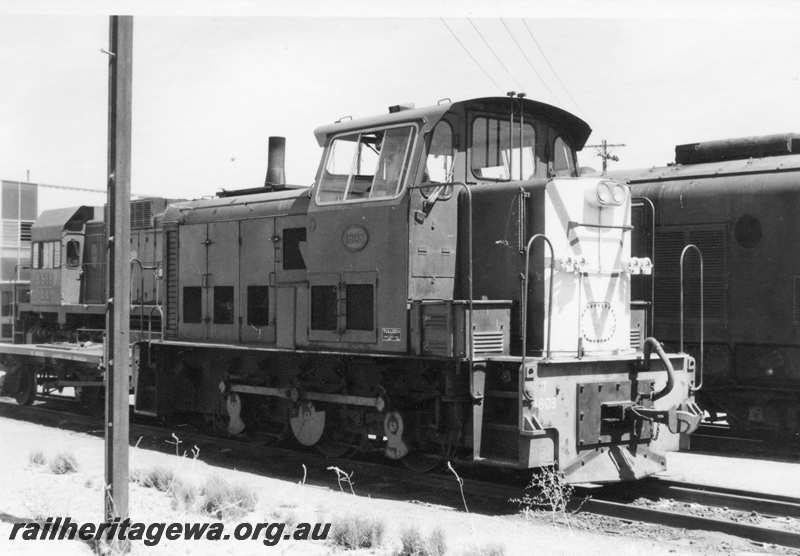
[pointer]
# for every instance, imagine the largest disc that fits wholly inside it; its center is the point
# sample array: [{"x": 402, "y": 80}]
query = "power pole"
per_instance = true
[
  {"x": 604, "y": 154},
  {"x": 117, "y": 344}
]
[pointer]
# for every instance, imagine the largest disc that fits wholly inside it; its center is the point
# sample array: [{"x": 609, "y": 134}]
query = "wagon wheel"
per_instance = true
[
  {"x": 339, "y": 440},
  {"x": 26, "y": 386}
]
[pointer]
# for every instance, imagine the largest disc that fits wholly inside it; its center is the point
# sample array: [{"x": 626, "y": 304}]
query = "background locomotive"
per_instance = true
[
  {"x": 738, "y": 201},
  {"x": 402, "y": 303}
]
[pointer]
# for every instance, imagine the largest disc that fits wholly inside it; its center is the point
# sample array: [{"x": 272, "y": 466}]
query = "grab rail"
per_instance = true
[
  {"x": 652, "y": 206},
  {"x": 700, "y": 257},
  {"x": 525, "y": 297}
]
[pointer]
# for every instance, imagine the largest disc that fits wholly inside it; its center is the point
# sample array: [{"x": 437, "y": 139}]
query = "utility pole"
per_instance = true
[
  {"x": 604, "y": 154},
  {"x": 117, "y": 344}
]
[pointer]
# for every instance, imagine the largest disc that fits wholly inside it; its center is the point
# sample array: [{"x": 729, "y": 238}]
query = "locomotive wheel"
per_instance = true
[
  {"x": 307, "y": 423},
  {"x": 26, "y": 386},
  {"x": 338, "y": 440}
]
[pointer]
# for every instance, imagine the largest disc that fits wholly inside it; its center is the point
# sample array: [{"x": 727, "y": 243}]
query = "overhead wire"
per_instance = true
[
  {"x": 522, "y": 51},
  {"x": 552, "y": 69},
  {"x": 477, "y": 63},
  {"x": 489, "y": 46}
]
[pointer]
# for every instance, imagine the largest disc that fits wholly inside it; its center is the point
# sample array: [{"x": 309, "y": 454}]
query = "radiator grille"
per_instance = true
[
  {"x": 669, "y": 244},
  {"x": 487, "y": 342},
  {"x": 141, "y": 214},
  {"x": 172, "y": 284}
]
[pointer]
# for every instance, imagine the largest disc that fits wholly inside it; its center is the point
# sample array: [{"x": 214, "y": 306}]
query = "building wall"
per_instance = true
[{"x": 19, "y": 206}]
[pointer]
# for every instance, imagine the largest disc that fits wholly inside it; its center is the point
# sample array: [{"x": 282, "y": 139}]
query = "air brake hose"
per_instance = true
[{"x": 652, "y": 342}]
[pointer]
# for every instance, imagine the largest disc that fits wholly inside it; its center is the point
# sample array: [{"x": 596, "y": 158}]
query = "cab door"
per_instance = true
[{"x": 358, "y": 240}]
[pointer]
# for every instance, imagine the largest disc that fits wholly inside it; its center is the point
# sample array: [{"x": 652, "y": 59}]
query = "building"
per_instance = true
[{"x": 19, "y": 206}]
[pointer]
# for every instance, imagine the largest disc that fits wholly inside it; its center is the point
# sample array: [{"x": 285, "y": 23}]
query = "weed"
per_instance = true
[
  {"x": 414, "y": 544},
  {"x": 343, "y": 478},
  {"x": 355, "y": 532},
  {"x": 460, "y": 482},
  {"x": 547, "y": 490},
  {"x": 37, "y": 458},
  {"x": 64, "y": 462},
  {"x": 159, "y": 478},
  {"x": 225, "y": 500},
  {"x": 184, "y": 494}
]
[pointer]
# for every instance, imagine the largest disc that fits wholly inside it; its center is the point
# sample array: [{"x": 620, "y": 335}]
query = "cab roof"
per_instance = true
[{"x": 575, "y": 127}]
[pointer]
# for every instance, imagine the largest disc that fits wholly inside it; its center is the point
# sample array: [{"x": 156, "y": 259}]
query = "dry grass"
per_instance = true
[
  {"x": 159, "y": 478},
  {"x": 486, "y": 550},
  {"x": 37, "y": 457},
  {"x": 354, "y": 532},
  {"x": 184, "y": 494},
  {"x": 415, "y": 544},
  {"x": 226, "y": 500},
  {"x": 64, "y": 462}
]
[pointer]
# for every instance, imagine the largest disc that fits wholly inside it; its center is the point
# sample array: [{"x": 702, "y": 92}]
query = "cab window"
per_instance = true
[
  {"x": 491, "y": 153},
  {"x": 563, "y": 158},
  {"x": 73, "y": 253},
  {"x": 439, "y": 162},
  {"x": 366, "y": 165}
]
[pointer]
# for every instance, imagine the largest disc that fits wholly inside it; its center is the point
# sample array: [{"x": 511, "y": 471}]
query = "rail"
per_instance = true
[
  {"x": 686, "y": 249},
  {"x": 524, "y": 308}
]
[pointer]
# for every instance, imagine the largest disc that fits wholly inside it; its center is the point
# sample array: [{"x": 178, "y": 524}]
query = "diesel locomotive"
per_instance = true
[
  {"x": 737, "y": 201},
  {"x": 448, "y": 288}
]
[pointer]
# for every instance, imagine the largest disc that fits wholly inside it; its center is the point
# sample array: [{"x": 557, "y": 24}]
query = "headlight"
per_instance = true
[
  {"x": 611, "y": 193},
  {"x": 604, "y": 194}
]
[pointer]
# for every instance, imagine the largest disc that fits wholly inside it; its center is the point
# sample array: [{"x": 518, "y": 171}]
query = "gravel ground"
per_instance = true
[{"x": 29, "y": 491}]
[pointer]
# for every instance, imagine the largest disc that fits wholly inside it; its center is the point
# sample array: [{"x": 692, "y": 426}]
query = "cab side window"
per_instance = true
[
  {"x": 563, "y": 158},
  {"x": 73, "y": 253},
  {"x": 366, "y": 165},
  {"x": 439, "y": 164}
]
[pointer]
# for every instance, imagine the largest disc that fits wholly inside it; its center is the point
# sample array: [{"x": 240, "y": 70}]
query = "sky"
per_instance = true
[{"x": 208, "y": 90}]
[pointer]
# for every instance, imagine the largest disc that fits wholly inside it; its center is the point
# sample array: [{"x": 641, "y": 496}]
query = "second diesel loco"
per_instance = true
[
  {"x": 449, "y": 287},
  {"x": 737, "y": 201}
]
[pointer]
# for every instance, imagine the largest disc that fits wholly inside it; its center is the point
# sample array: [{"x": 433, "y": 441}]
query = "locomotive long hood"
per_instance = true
[{"x": 270, "y": 203}]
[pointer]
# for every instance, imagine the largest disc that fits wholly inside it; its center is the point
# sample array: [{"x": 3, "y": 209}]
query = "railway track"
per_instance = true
[
  {"x": 629, "y": 502},
  {"x": 718, "y": 439}
]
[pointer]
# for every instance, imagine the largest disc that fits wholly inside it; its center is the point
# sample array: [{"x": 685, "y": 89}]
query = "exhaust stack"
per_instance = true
[{"x": 276, "y": 174}]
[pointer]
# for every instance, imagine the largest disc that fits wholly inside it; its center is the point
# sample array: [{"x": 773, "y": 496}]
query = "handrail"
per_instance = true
[
  {"x": 525, "y": 297},
  {"x": 652, "y": 259},
  {"x": 700, "y": 256}
]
